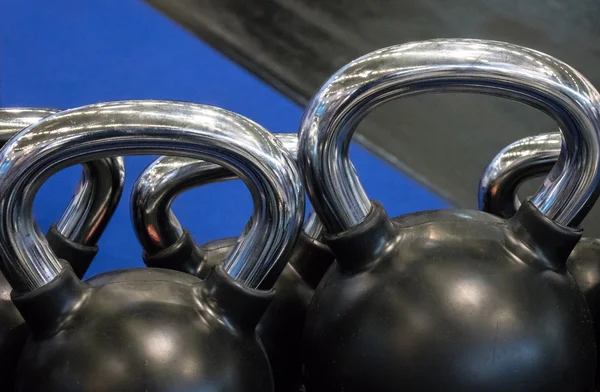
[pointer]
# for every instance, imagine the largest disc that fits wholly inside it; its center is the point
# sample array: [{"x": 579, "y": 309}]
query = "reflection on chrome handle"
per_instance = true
[
  {"x": 524, "y": 159},
  {"x": 163, "y": 180},
  {"x": 449, "y": 65},
  {"x": 95, "y": 200},
  {"x": 97, "y": 194},
  {"x": 149, "y": 127}
]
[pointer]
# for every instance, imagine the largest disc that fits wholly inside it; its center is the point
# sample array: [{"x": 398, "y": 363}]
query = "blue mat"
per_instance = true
[{"x": 69, "y": 53}]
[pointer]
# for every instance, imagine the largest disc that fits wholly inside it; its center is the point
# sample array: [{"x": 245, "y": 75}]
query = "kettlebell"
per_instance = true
[
  {"x": 449, "y": 300},
  {"x": 524, "y": 159},
  {"x": 73, "y": 237},
  {"x": 167, "y": 245},
  {"x": 146, "y": 329},
  {"x": 527, "y": 158}
]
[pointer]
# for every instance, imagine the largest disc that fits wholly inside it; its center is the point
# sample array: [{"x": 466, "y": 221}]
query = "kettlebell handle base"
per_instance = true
[
  {"x": 184, "y": 256},
  {"x": 241, "y": 306},
  {"x": 46, "y": 309},
  {"x": 80, "y": 256},
  {"x": 364, "y": 244},
  {"x": 537, "y": 239}
]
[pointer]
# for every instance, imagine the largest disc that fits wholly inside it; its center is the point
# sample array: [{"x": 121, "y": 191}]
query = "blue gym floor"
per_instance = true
[{"x": 68, "y": 53}]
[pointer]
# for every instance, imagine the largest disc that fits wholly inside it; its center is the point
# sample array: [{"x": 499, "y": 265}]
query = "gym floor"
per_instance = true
[{"x": 71, "y": 53}]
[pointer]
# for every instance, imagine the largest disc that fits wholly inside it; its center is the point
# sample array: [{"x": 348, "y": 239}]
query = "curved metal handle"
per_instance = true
[
  {"x": 526, "y": 158},
  {"x": 149, "y": 127},
  {"x": 167, "y": 177},
  {"x": 95, "y": 201},
  {"x": 458, "y": 65},
  {"x": 98, "y": 192},
  {"x": 13, "y": 120}
]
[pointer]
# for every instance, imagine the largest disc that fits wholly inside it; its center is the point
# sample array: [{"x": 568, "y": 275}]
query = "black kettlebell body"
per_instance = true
[
  {"x": 13, "y": 335},
  {"x": 281, "y": 327},
  {"x": 524, "y": 159},
  {"x": 13, "y": 330},
  {"x": 450, "y": 298},
  {"x": 144, "y": 330},
  {"x": 584, "y": 266}
]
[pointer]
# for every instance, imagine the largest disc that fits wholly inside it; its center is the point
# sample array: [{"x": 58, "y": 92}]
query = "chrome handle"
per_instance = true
[
  {"x": 519, "y": 161},
  {"x": 148, "y": 127},
  {"x": 96, "y": 195},
  {"x": 167, "y": 177},
  {"x": 457, "y": 65}
]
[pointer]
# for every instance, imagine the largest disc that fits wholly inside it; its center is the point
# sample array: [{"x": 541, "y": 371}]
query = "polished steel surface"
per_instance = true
[
  {"x": 457, "y": 65},
  {"x": 13, "y": 120},
  {"x": 98, "y": 192},
  {"x": 149, "y": 127},
  {"x": 295, "y": 45},
  {"x": 526, "y": 158},
  {"x": 313, "y": 226},
  {"x": 166, "y": 178},
  {"x": 95, "y": 200}
]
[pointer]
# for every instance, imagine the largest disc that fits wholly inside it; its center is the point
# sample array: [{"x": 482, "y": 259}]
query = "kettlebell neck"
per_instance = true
[
  {"x": 183, "y": 256},
  {"x": 78, "y": 255},
  {"x": 240, "y": 307},
  {"x": 538, "y": 240},
  {"x": 366, "y": 243},
  {"x": 310, "y": 259},
  {"x": 48, "y": 308}
]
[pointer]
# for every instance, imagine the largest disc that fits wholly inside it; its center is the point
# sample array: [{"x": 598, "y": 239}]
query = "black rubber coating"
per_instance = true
[
  {"x": 146, "y": 329},
  {"x": 281, "y": 326},
  {"x": 182, "y": 256},
  {"x": 45, "y": 309},
  {"x": 311, "y": 259},
  {"x": 360, "y": 246},
  {"x": 450, "y": 301},
  {"x": 584, "y": 265},
  {"x": 583, "y": 262},
  {"x": 239, "y": 305},
  {"x": 13, "y": 335},
  {"x": 545, "y": 241},
  {"x": 79, "y": 256},
  {"x": 13, "y": 330}
]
